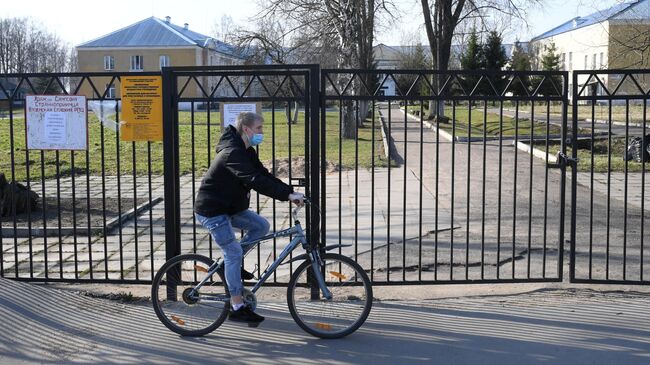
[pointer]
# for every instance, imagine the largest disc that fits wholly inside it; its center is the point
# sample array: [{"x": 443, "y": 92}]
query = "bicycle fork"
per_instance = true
[{"x": 317, "y": 264}]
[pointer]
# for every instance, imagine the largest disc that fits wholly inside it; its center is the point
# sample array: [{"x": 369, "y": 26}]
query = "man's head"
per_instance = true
[{"x": 249, "y": 127}]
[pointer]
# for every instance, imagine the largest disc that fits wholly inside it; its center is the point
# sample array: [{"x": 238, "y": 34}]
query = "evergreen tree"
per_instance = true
[
  {"x": 413, "y": 58},
  {"x": 550, "y": 62},
  {"x": 520, "y": 61},
  {"x": 494, "y": 59},
  {"x": 47, "y": 85},
  {"x": 471, "y": 59}
]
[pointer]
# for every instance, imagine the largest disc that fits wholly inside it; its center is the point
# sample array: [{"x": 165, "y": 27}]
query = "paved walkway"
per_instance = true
[
  {"x": 536, "y": 212},
  {"x": 42, "y": 325},
  {"x": 125, "y": 254}
]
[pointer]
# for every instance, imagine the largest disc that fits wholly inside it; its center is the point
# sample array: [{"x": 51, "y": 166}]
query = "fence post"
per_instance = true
[
  {"x": 574, "y": 178},
  {"x": 314, "y": 164},
  {"x": 171, "y": 175}
]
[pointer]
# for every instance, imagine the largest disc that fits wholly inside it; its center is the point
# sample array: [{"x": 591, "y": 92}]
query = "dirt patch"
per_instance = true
[
  {"x": 66, "y": 208},
  {"x": 297, "y": 167}
]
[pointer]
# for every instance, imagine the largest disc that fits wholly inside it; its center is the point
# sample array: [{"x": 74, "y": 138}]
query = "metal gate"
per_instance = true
[
  {"x": 288, "y": 98},
  {"x": 432, "y": 202},
  {"x": 608, "y": 215}
]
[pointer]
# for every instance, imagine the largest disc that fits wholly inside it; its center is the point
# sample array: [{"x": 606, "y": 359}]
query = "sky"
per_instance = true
[{"x": 78, "y": 21}]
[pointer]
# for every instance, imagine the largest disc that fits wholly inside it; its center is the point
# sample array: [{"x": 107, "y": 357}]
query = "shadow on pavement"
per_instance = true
[{"x": 45, "y": 325}]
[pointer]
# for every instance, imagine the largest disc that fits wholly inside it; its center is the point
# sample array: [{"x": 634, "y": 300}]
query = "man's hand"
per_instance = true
[{"x": 297, "y": 198}]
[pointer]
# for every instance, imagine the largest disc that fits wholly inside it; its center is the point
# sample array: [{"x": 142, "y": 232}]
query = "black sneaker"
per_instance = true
[
  {"x": 244, "y": 274},
  {"x": 245, "y": 314}
]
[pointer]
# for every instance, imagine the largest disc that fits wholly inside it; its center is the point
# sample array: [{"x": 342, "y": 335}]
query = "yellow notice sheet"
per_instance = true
[{"x": 141, "y": 108}]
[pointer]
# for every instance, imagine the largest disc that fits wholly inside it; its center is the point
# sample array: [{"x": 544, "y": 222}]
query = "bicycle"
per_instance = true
[{"x": 329, "y": 295}]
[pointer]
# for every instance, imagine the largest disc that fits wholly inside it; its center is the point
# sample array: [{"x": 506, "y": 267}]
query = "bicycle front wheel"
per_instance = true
[
  {"x": 351, "y": 297},
  {"x": 182, "y": 309}
]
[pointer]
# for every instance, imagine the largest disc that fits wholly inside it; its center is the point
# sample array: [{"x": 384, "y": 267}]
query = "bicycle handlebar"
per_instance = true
[{"x": 307, "y": 202}]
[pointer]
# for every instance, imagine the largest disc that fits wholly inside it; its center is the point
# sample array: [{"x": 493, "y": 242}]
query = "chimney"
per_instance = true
[
  {"x": 168, "y": 19},
  {"x": 575, "y": 22},
  {"x": 185, "y": 26}
]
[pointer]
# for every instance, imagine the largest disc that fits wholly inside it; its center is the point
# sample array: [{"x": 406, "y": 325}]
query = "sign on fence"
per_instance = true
[
  {"x": 230, "y": 111},
  {"x": 141, "y": 118},
  {"x": 56, "y": 122}
]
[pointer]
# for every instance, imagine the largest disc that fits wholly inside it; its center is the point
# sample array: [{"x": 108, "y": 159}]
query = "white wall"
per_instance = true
[{"x": 575, "y": 45}]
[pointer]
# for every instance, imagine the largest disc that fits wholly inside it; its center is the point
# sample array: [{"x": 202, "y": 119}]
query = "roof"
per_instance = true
[
  {"x": 591, "y": 19},
  {"x": 154, "y": 32}
]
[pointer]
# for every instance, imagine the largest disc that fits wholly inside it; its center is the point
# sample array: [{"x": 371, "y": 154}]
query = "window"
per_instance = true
[
  {"x": 109, "y": 63},
  {"x": 111, "y": 91},
  {"x": 136, "y": 63},
  {"x": 164, "y": 61},
  {"x": 570, "y": 61},
  {"x": 602, "y": 61},
  {"x": 586, "y": 60},
  {"x": 563, "y": 62},
  {"x": 593, "y": 62}
]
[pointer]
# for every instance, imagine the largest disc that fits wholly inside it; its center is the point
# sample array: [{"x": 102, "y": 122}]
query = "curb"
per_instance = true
[
  {"x": 387, "y": 144},
  {"x": 24, "y": 232},
  {"x": 546, "y": 157},
  {"x": 622, "y": 124},
  {"x": 444, "y": 134}
]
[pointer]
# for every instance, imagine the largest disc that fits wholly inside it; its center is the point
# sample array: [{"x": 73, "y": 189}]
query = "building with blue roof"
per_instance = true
[
  {"x": 149, "y": 45},
  {"x": 613, "y": 38}
]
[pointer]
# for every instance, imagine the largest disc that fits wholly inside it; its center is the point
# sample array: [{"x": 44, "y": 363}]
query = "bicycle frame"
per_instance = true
[{"x": 299, "y": 239}]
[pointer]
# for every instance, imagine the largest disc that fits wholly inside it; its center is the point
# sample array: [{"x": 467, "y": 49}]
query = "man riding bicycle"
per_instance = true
[{"x": 224, "y": 197}]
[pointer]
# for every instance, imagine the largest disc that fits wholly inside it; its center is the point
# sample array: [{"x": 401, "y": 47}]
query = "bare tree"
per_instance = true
[
  {"x": 350, "y": 24},
  {"x": 225, "y": 29},
  {"x": 26, "y": 46},
  {"x": 270, "y": 42},
  {"x": 442, "y": 17}
]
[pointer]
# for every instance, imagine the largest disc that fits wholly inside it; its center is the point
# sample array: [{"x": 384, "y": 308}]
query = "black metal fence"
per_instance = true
[
  {"x": 431, "y": 201},
  {"x": 608, "y": 229},
  {"x": 97, "y": 217},
  {"x": 475, "y": 195}
]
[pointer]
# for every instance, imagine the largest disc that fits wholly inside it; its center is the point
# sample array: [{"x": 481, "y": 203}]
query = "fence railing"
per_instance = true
[
  {"x": 474, "y": 195},
  {"x": 608, "y": 228}
]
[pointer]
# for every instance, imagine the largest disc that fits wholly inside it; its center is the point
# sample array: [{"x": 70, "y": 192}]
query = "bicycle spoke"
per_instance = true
[{"x": 179, "y": 307}]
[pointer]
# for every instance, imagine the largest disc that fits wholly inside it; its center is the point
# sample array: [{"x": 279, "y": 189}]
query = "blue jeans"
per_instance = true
[{"x": 221, "y": 229}]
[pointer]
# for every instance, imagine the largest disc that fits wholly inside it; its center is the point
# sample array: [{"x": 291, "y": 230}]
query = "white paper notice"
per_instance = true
[
  {"x": 56, "y": 122},
  {"x": 230, "y": 111},
  {"x": 55, "y": 128}
]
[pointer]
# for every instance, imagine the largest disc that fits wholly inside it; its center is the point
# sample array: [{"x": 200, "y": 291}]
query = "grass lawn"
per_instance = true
[
  {"x": 192, "y": 138},
  {"x": 491, "y": 123},
  {"x": 600, "y": 155},
  {"x": 599, "y": 112}
]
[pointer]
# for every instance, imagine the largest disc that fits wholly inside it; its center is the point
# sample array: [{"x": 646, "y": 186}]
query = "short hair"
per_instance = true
[{"x": 246, "y": 119}]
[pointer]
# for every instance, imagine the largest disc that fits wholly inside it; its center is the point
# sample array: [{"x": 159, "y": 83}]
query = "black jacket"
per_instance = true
[{"x": 235, "y": 170}]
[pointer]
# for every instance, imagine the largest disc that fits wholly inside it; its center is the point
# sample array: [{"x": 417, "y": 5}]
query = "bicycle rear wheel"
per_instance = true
[
  {"x": 351, "y": 298},
  {"x": 179, "y": 307}
]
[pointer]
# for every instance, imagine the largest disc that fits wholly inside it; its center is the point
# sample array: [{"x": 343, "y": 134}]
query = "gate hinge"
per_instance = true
[
  {"x": 563, "y": 160},
  {"x": 299, "y": 182},
  {"x": 567, "y": 160}
]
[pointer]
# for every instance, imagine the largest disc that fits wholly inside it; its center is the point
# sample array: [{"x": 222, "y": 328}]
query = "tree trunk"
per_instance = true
[
  {"x": 349, "y": 122},
  {"x": 363, "y": 112},
  {"x": 291, "y": 114},
  {"x": 295, "y": 112}
]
